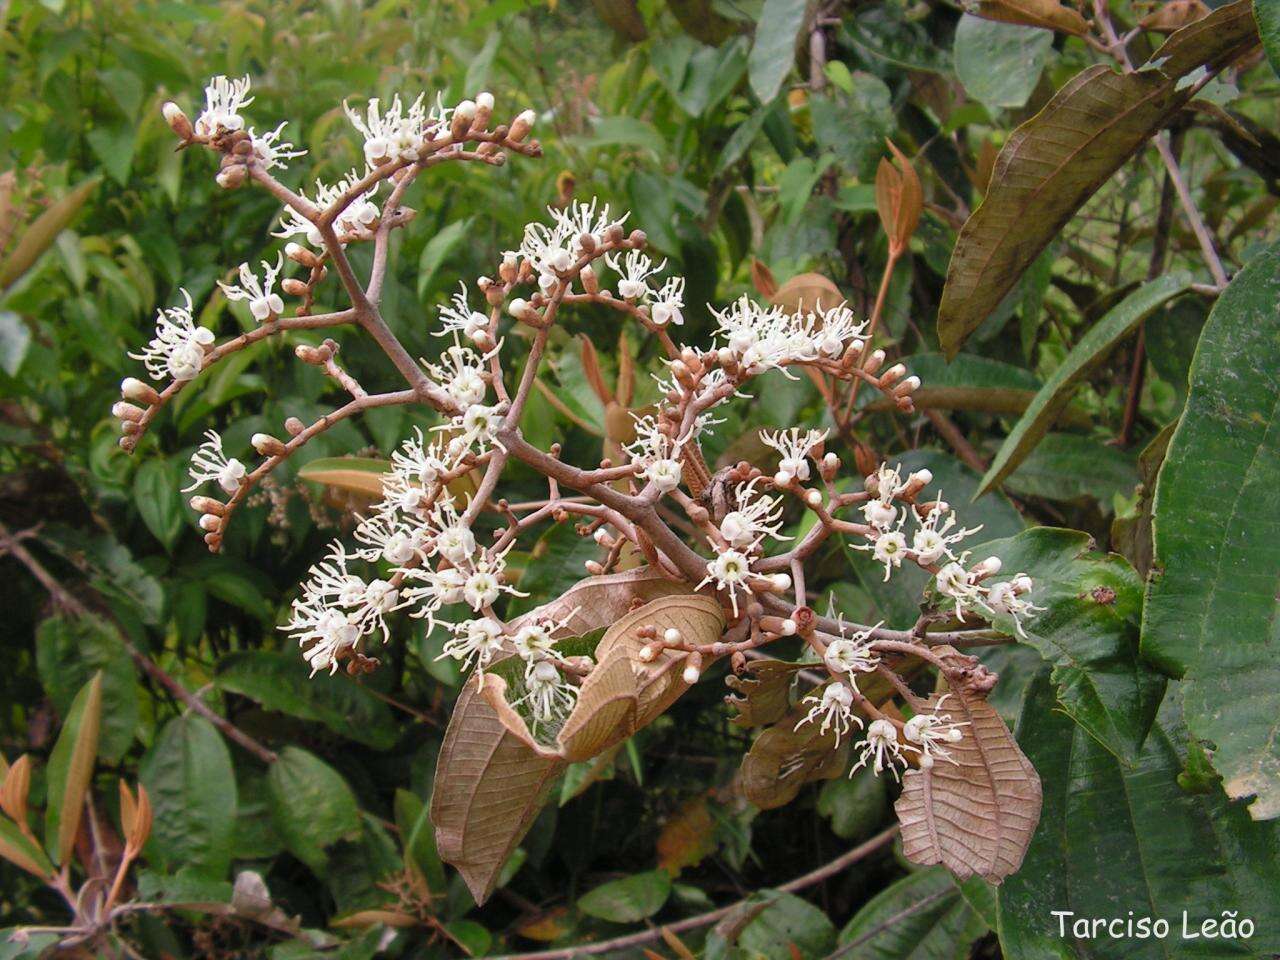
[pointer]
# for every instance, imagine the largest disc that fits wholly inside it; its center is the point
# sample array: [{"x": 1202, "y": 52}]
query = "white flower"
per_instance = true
[
  {"x": 954, "y": 581},
  {"x": 833, "y": 329},
  {"x": 794, "y": 447},
  {"x": 224, "y": 99},
  {"x": 548, "y": 697},
  {"x": 1005, "y": 597},
  {"x": 210, "y": 463},
  {"x": 394, "y": 539},
  {"x": 456, "y": 543},
  {"x": 534, "y": 638},
  {"x": 851, "y": 655},
  {"x": 332, "y": 633},
  {"x": 479, "y": 425},
  {"x": 931, "y": 542},
  {"x": 264, "y": 302},
  {"x": 474, "y": 640},
  {"x": 889, "y": 548},
  {"x": 633, "y": 271},
  {"x": 484, "y": 584},
  {"x": 752, "y": 518},
  {"x": 461, "y": 372},
  {"x": 882, "y": 748},
  {"x": 879, "y": 514},
  {"x": 271, "y": 150},
  {"x": 664, "y": 474},
  {"x": 765, "y": 338},
  {"x": 581, "y": 218},
  {"x": 178, "y": 348},
  {"x": 668, "y": 303},
  {"x": 925, "y": 731},
  {"x": 458, "y": 317},
  {"x": 655, "y": 455},
  {"x": 834, "y": 707},
  {"x": 729, "y": 570},
  {"x": 394, "y": 133},
  {"x": 356, "y": 218}
]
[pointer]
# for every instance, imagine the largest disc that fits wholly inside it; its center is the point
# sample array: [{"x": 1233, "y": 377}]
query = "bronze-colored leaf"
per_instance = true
[
  {"x": 763, "y": 696},
  {"x": 70, "y": 768},
  {"x": 807, "y": 292},
  {"x": 1174, "y": 15},
  {"x": 128, "y": 809},
  {"x": 13, "y": 794},
  {"x": 40, "y": 235},
  {"x": 1046, "y": 14},
  {"x": 687, "y": 838},
  {"x": 977, "y": 815},
  {"x": 899, "y": 199},
  {"x": 762, "y": 279},
  {"x": 596, "y": 602},
  {"x": 373, "y": 917},
  {"x": 1056, "y": 160},
  {"x": 22, "y": 851}
]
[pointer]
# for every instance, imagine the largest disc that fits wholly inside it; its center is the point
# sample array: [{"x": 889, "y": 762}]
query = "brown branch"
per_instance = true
[
  {"x": 838, "y": 865},
  {"x": 66, "y": 600}
]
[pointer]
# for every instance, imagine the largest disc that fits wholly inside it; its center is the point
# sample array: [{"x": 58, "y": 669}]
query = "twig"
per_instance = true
[
  {"x": 62, "y": 597},
  {"x": 706, "y": 919}
]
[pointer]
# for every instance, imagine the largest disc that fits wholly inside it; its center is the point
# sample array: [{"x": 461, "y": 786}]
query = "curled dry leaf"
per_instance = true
[
  {"x": 763, "y": 696},
  {"x": 1046, "y": 14},
  {"x": 492, "y": 776},
  {"x": 135, "y": 817},
  {"x": 977, "y": 815},
  {"x": 899, "y": 200},
  {"x": 1174, "y": 15},
  {"x": 13, "y": 794}
]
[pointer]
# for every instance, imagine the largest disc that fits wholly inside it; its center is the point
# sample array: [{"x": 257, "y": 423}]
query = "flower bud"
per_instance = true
[
  {"x": 671, "y": 635},
  {"x": 231, "y": 176},
  {"x": 590, "y": 282},
  {"x": 301, "y": 255},
  {"x": 131, "y": 388},
  {"x": 484, "y": 110},
  {"x": 693, "y": 668},
  {"x": 267, "y": 445},
  {"x": 126, "y": 411},
  {"x": 294, "y": 426},
  {"x": 986, "y": 568},
  {"x": 892, "y": 375},
  {"x": 521, "y": 126},
  {"x": 130, "y": 428},
  {"x": 874, "y": 362},
  {"x": 593, "y": 568},
  {"x": 210, "y": 523},
  {"x": 463, "y": 114},
  {"x": 907, "y": 387},
  {"x": 813, "y": 498},
  {"x": 294, "y": 287},
  {"x": 208, "y": 505},
  {"x": 177, "y": 120},
  {"x": 638, "y": 239}
]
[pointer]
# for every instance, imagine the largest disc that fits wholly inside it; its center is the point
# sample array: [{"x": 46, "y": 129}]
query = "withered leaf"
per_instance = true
[
  {"x": 899, "y": 199},
  {"x": 763, "y": 696},
  {"x": 596, "y": 602},
  {"x": 977, "y": 815},
  {"x": 1047, "y": 14},
  {"x": 807, "y": 292}
]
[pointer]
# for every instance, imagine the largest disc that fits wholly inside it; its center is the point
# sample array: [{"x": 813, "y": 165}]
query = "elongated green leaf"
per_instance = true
[
  {"x": 312, "y": 806},
  {"x": 188, "y": 774},
  {"x": 1211, "y": 604},
  {"x": 1113, "y": 840},
  {"x": 356, "y": 474},
  {"x": 279, "y": 682},
  {"x": 628, "y": 900},
  {"x": 155, "y": 491},
  {"x": 19, "y": 944},
  {"x": 69, "y": 652},
  {"x": 938, "y": 923},
  {"x": 70, "y": 769},
  {"x": 1089, "y": 632},
  {"x": 1267, "y": 13},
  {"x": 774, "y": 50},
  {"x": 999, "y": 64},
  {"x": 787, "y": 928},
  {"x": 40, "y": 235},
  {"x": 1091, "y": 350},
  {"x": 21, "y": 851},
  {"x": 1066, "y": 466},
  {"x": 437, "y": 251},
  {"x": 1056, "y": 160},
  {"x": 413, "y": 819}
]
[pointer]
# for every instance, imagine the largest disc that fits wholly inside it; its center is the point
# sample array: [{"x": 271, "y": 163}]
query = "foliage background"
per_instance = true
[{"x": 662, "y": 108}]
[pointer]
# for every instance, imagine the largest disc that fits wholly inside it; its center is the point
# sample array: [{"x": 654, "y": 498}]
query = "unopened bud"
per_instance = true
[
  {"x": 521, "y": 126},
  {"x": 130, "y": 427},
  {"x": 874, "y": 362},
  {"x": 267, "y": 445},
  {"x": 601, "y": 536},
  {"x": 126, "y": 411},
  {"x": 813, "y": 498},
  {"x": 637, "y": 239},
  {"x": 986, "y": 568},
  {"x": 593, "y": 568},
  {"x": 294, "y": 287},
  {"x": 671, "y": 635},
  {"x": 892, "y": 375},
  {"x": 1022, "y": 584},
  {"x": 210, "y": 523},
  {"x": 316, "y": 356},
  {"x": 463, "y": 114},
  {"x": 294, "y": 426},
  {"x": 208, "y": 505},
  {"x": 907, "y": 387},
  {"x": 177, "y": 121},
  {"x": 781, "y": 582},
  {"x": 647, "y": 653},
  {"x": 484, "y": 110},
  {"x": 693, "y": 668},
  {"x": 590, "y": 282},
  {"x": 231, "y": 176},
  {"x": 301, "y": 255},
  {"x": 829, "y": 466},
  {"x": 131, "y": 388}
]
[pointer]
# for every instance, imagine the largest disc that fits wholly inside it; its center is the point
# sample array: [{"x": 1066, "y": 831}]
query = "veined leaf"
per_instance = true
[
  {"x": 1047, "y": 14},
  {"x": 1089, "y": 632},
  {"x": 999, "y": 64},
  {"x": 1056, "y": 160},
  {"x": 1267, "y": 13},
  {"x": 69, "y": 652},
  {"x": 1091, "y": 350},
  {"x": 70, "y": 769},
  {"x": 1211, "y": 603},
  {"x": 312, "y": 806},
  {"x": 938, "y": 925},
  {"x": 774, "y": 50},
  {"x": 628, "y": 900},
  {"x": 974, "y": 816},
  {"x": 1112, "y": 836}
]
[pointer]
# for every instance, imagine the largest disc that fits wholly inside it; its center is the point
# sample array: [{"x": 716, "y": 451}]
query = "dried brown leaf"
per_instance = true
[
  {"x": 1174, "y": 15},
  {"x": 1046, "y": 14},
  {"x": 13, "y": 794},
  {"x": 763, "y": 280},
  {"x": 763, "y": 696},
  {"x": 370, "y": 918},
  {"x": 807, "y": 292},
  {"x": 687, "y": 838},
  {"x": 977, "y": 815},
  {"x": 596, "y": 602},
  {"x": 899, "y": 199}
]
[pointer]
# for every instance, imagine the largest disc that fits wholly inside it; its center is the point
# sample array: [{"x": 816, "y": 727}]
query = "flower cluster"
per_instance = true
[
  {"x": 760, "y": 338},
  {"x": 397, "y": 133},
  {"x": 178, "y": 349}
]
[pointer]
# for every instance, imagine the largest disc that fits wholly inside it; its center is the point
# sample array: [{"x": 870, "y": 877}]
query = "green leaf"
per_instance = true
[
  {"x": 69, "y": 652},
  {"x": 1059, "y": 158},
  {"x": 623, "y": 131},
  {"x": 1066, "y": 466},
  {"x": 114, "y": 147},
  {"x": 155, "y": 491},
  {"x": 15, "y": 340},
  {"x": 279, "y": 682},
  {"x": 938, "y": 923},
  {"x": 853, "y": 126},
  {"x": 1092, "y": 349},
  {"x": 628, "y": 900},
  {"x": 1088, "y": 631},
  {"x": 1211, "y": 604},
  {"x": 1000, "y": 64},
  {"x": 192, "y": 785},
  {"x": 18, "y": 944},
  {"x": 21, "y": 851},
  {"x": 787, "y": 927},
  {"x": 1113, "y": 839},
  {"x": 1267, "y": 13},
  {"x": 70, "y": 770},
  {"x": 472, "y": 937},
  {"x": 38, "y": 237},
  {"x": 773, "y": 52},
  {"x": 796, "y": 183},
  {"x": 312, "y": 806},
  {"x": 419, "y": 839},
  {"x": 855, "y": 805},
  {"x": 437, "y": 251}
]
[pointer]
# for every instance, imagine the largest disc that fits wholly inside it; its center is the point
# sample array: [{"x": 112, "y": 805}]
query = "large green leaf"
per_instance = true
[
  {"x": 312, "y": 806},
  {"x": 920, "y": 917},
  {"x": 1113, "y": 840},
  {"x": 279, "y": 682},
  {"x": 1067, "y": 466},
  {"x": 155, "y": 491},
  {"x": 1091, "y": 350},
  {"x": 774, "y": 50},
  {"x": 1267, "y": 13},
  {"x": 787, "y": 928},
  {"x": 71, "y": 769},
  {"x": 1211, "y": 605},
  {"x": 628, "y": 900},
  {"x": 188, "y": 774},
  {"x": 999, "y": 64},
  {"x": 1057, "y": 160},
  {"x": 1089, "y": 632},
  {"x": 68, "y": 654}
]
